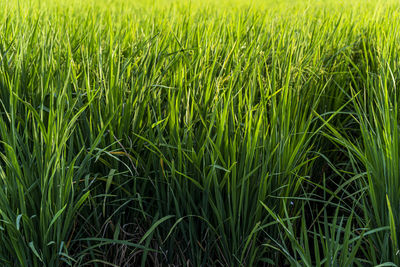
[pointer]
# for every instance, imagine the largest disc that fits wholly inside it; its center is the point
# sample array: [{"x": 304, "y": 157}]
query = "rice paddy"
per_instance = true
[{"x": 212, "y": 133}]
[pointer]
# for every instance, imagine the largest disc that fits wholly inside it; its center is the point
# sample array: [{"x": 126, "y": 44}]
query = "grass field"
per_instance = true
[{"x": 204, "y": 133}]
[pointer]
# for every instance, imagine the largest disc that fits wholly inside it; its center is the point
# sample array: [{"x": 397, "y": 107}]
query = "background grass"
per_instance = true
[{"x": 209, "y": 133}]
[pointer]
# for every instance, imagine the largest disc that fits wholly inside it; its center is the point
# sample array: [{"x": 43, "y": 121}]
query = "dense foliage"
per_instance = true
[{"x": 199, "y": 134}]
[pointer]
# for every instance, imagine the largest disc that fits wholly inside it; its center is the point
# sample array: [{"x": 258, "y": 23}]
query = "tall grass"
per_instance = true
[{"x": 206, "y": 134}]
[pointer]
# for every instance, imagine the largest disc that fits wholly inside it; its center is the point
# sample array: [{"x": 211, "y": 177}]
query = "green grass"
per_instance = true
[{"x": 230, "y": 133}]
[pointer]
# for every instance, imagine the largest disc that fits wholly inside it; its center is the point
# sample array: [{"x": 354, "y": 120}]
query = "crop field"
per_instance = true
[{"x": 199, "y": 133}]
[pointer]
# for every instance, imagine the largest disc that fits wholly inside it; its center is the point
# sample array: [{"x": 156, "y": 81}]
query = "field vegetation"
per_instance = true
[{"x": 204, "y": 133}]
